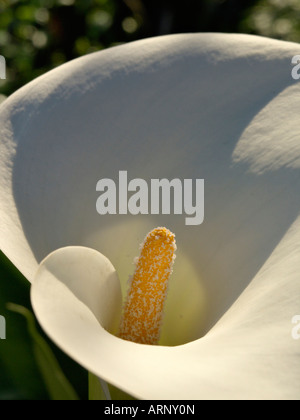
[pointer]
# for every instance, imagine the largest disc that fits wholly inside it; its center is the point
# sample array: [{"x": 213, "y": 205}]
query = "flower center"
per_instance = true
[{"x": 143, "y": 308}]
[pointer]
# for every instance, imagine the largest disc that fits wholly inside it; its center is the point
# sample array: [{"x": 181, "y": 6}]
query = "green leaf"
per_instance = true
[
  {"x": 98, "y": 389},
  {"x": 57, "y": 384},
  {"x": 20, "y": 378}
]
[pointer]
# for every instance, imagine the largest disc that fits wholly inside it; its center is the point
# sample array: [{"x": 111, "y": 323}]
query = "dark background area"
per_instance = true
[{"x": 36, "y": 36}]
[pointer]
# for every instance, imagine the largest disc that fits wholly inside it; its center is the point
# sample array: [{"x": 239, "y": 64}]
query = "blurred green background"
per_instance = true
[{"x": 36, "y": 36}]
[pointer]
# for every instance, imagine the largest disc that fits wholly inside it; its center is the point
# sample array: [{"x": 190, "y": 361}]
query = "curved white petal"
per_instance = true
[
  {"x": 90, "y": 276},
  {"x": 250, "y": 354},
  {"x": 220, "y": 107},
  {"x": 213, "y": 106}
]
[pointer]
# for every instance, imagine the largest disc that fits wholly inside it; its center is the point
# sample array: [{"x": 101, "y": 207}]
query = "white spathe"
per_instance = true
[{"x": 214, "y": 106}]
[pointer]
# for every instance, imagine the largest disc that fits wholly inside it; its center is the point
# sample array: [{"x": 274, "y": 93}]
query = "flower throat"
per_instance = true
[{"x": 143, "y": 309}]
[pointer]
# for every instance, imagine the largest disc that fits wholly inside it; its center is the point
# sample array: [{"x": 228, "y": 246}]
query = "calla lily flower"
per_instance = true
[{"x": 218, "y": 107}]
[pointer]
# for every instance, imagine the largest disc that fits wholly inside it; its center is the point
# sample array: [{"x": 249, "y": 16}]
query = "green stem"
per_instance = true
[{"x": 98, "y": 389}]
